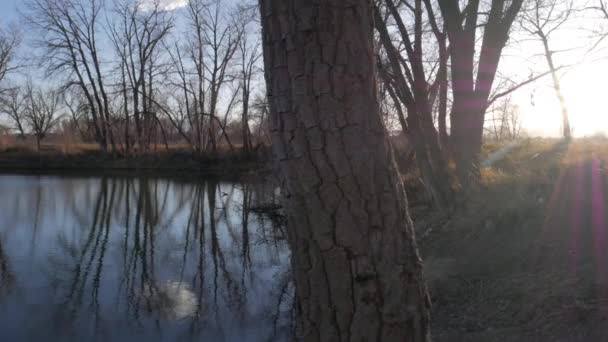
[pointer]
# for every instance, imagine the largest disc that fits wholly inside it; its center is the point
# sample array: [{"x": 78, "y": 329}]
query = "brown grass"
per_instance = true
[
  {"x": 507, "y": 267},
  {"x": 61, "y": 157}
]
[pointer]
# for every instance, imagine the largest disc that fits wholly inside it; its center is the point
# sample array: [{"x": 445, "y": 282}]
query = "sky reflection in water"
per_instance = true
[{"x": 134, "y": 259}]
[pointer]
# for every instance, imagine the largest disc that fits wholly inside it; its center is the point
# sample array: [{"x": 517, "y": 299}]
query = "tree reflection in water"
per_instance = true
[
  {"x": 6, "y": 274},
  {"x": 124, "y": 258}
]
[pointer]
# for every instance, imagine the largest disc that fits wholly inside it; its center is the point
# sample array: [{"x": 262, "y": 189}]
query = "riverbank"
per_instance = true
[
  {"x": 229, "y": 164},
  {"x": 523, "y": 257}
]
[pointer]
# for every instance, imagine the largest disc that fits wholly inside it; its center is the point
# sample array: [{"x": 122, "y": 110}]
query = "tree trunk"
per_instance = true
[
  {"x": 443, "y": 95},
  {"x": 471, "y": 92},
  {"x": 245, "y": 119},
  {"x": 357, "y": 270},
  {"x": 433, "y": 183},
  {"x": 432, "y": 163},
  {"x": 567, "y": 132},
  {"x": 466, "y": 140},
  {"x": 437, "y": 159}
]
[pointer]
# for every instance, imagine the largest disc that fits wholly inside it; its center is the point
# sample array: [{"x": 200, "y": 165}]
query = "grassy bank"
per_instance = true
[
  {"x": 91, "y": 160},
  {"x": 523, "y": 258}
]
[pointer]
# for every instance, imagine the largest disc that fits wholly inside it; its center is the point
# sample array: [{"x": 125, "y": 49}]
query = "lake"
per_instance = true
[{"x": 141, "y": 259}]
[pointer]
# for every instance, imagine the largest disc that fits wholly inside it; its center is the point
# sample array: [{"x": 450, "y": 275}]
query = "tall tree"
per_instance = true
[
  {"x": 542, "y": 18},
  {"x": 222, "y": 38},
  {"x": 471, "y": 90},
  {"x": 249, "y": 53},
  {"x": 137, "y": 36},
  {"x": 357, "y": 270},
  {"x": 407, "y": 78},
  {"x": 203, "y": 67},
  {"x": 69, "y": 31}
]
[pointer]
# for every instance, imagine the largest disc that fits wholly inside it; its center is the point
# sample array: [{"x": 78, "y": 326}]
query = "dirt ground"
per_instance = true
[{"x": 525, "y": 258}]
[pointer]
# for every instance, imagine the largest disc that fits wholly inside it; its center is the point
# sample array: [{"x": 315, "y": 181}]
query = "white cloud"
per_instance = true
[
  {"x": 171, "y": 5},
  {"x": 167, "y": 5}
]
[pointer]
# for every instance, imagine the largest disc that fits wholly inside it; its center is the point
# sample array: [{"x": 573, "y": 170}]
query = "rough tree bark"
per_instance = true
[{"x": 357, "y": 270}]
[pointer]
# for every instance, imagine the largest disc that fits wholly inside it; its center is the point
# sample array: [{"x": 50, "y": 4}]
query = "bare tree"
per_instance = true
[
  {"x": 357, "y": 270},
  {"x": 222, "y": 37},
  {"x": 506, "y": 120},
  {"x": 599, "y": 7},
  {"x": 542, "y": 18},
  {"x": 250, "y": 54},
  {"x": 9, "y": 41},
  {"x": 77, "y": 107},
  {"x": 42, "y": 111},
  {"x": 472, "y": 89},
  {"x": 12, "y": 104},
  {"x": 68, "y": 31},
  {"x": 260, "y": 113},
  {"x": 197, "y": 47},
  {"x": 406, "y": 76},
  {"x": 137, "y": 36},
  {"x": 203, "y": 67}
]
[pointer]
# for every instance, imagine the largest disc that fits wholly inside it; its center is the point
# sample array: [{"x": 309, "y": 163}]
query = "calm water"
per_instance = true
[{"x": 140, "y": 259}]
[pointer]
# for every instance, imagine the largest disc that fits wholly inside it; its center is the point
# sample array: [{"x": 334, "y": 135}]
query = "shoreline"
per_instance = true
[{"x": 95, "y": 163}]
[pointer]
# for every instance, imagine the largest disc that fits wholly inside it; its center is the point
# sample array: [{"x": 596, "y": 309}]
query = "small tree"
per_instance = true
[
  {"x": 12, "y": 105},
  {"x": 41, "y": 111},
  {"x": 506, "y": 120}
]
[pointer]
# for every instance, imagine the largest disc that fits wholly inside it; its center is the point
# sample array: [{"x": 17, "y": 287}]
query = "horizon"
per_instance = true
[{"x": 539, "y": 109}]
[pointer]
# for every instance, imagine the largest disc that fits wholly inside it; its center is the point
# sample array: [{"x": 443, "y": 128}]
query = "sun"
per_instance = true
[{"x": 585, "y": 93}]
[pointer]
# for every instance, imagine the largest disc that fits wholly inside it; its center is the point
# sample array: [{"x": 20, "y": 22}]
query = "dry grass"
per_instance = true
[
  {"x": 76, "y": 157},
  {"x": 519, "y": 260}
]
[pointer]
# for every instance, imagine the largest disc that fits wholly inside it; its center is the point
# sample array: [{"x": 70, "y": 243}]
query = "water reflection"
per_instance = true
[
  {"x": 127, "y": 259},
  {"x": 6, "y": 274}
]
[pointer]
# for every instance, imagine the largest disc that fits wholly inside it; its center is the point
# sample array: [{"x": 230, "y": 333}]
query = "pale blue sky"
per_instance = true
[{"x": 8, "y": 10}]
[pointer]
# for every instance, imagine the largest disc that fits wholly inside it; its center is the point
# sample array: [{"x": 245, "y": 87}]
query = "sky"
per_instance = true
[
  {"x": 8, "y": 10},
  {"x": 583, "y": 85}
]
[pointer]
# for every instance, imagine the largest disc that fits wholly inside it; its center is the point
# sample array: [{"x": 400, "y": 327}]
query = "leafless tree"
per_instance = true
[
  {"x": 76, "y": 106},
  {"x": 599, "y": 7},
  {"x": 12, "y": 105},
  {"x": 137, "y": 36},
  {"x": 505, "y": 120},
  {"x": 9, "y": 40},
  {"x": 202, "y": 68},
  {"x": 222, "y": 38},
  {"x": 407, "y": 78},
  {"x": 473, "y": 73},
  {"x": 69, "y": 33},
  {"x": 542, "y": 18},
  {"x": 249, "y": 54},
  {"x": 260, "y": 115},
  {"x": 42, "y": 111},
  {"x": 356, "y": 266}
]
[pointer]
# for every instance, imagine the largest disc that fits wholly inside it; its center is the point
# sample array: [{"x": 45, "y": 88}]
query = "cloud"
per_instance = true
[{"x": 166, "y": 5}]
